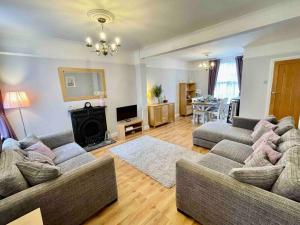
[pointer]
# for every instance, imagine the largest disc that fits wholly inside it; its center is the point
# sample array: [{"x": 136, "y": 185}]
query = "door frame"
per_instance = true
[{"x": 270, "y": 80}]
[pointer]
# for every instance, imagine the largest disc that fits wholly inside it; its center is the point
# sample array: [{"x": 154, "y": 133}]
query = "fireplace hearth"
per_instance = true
[{"x": 89, "y": 126}]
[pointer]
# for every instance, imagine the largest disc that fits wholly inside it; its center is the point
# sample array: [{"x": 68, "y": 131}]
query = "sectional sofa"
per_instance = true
[
  {"x": 206, "y": 192},
  {"x": 86, "y": 185}
]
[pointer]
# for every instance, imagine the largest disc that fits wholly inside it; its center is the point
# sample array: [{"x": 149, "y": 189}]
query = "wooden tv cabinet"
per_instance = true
[{"x": 131, "y": 126}]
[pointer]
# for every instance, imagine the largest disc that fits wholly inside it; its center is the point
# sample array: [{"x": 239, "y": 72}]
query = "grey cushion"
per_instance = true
[
  {"x": 263, "y": 177},
  {"x": 288, "y": 140},
  {"x": 36, "y": 173},
  {"x": 218, "y": 163},
  {"x": 76, "y": 162},
  {"x": 288, "y": 183},
  {"x": 11, "y": 179},
  {"x": 271, "y": 119},
  {"x": 258, "y": 132},
  {"x": 28, "y": 141},
  {"x": 284, "y": 125},
  {"x": 67, "y": 152},
  {"x": 10, "y": 144},
  {"x": 258, "y": 159},
  {"x": 218, "y": 131},
  {"x": 38, "y": 157},
  {"x": 232, "y": 150}
]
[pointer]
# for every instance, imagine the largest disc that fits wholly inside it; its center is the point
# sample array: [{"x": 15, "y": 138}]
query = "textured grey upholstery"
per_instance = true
[
  {"x": 57, "y": 139},
  {"x": 67, "y": 152},
  {"x": 203, "y": 143},
  {"x": 243, "y": 122},
  {"x": 76, "y": 162},
  {"x": 218, "y": 163},
  {"x": 213, "y": 198},
  {"x": 232, "y": 150},
  {"x": 218, "y": 131},
  {"x": 70, "y": 199}
]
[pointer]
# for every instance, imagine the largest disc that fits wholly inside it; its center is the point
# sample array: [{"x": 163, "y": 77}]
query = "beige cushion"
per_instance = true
[
  {"x": 288, "y": 183},
  {"x": 263, "y": 177},
  {"x": 257, "y": 160},
  {"x": 11, "y": 179},
  {"x": 290, "y": 139},
  {"x": 284, "y": 125},
  {"x": 38, "y": 157},
  {"x": 36, "y": 173}
]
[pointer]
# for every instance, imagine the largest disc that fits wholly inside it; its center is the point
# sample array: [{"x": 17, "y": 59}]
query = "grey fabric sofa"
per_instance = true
[
  {"x": 209, "y": 134},
  {"x": 86, "y": 186}
]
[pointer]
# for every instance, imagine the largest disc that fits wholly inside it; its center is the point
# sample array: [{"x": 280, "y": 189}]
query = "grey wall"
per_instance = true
[
  {"x": 256, "y": 84},
  {"x": 48, "y": 112}
]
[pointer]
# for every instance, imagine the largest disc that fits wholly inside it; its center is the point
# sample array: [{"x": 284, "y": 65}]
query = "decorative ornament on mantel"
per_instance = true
[
  {"x": 206, "y": 65},
  {"x": 103, "y": 46}
]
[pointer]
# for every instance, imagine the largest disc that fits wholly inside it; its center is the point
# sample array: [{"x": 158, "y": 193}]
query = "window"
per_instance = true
[{"x": 227, "y": 82}]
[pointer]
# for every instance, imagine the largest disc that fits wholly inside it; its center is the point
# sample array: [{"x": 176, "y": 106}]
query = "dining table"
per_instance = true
[{"x": 202, "y": 108}]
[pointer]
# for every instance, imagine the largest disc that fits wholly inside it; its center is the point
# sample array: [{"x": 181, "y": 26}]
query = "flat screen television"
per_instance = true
[{"x": 126, "y": 112}]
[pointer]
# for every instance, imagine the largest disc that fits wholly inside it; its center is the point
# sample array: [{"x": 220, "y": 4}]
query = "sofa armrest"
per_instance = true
[
  {"x": 214, "y": 198},
  {"x": 245, "y": 123},
  {"x": 70, "y": 199},
  {"x": 58, "y": 139}
]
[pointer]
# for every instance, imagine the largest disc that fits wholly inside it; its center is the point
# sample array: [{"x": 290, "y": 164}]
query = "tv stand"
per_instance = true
[{"x": 126, "y": 127}]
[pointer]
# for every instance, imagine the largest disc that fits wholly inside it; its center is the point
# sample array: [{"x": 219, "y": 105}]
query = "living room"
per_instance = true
[{"x": 150, "y": 112}]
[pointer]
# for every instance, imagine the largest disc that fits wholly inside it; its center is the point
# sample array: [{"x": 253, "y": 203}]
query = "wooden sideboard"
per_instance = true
[{"x": 161, "y": 113}]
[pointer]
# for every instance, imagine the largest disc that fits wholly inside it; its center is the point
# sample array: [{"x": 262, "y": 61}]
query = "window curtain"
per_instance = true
[
  {"x": 213, "y": 75},
  {"x": 6, "y": 130},
  {"x": 239, "y": 69}
]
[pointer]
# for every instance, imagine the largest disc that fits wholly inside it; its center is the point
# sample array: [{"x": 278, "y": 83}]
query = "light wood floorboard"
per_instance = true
[{"x": 142, "y": 200}]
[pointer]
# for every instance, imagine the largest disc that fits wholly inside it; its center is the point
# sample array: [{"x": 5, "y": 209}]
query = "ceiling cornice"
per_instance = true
[{"x": 248, "y": 22}]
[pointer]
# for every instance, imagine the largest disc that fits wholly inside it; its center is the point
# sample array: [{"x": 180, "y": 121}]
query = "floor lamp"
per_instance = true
[{"x": 17, "y": 100}]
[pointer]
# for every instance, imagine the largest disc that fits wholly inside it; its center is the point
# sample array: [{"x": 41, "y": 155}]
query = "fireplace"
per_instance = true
[{"x": 89, "y": 125}]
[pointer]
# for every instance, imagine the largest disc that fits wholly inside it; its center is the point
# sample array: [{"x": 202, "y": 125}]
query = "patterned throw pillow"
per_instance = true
[
  {"x": 273, "y": 155},
  {"x": 10, "y": 144},
  {"x": 262, "y": 177},
  {"x": 28, "y": 141},
  {"x": 270, "y": 136},
  {"x": 38, "y": 157},
  {"x": 284, "y": 125},
  {"x": 261, "y": 128},
  {"x": 36, "y": 173},
  {"x": 257, "y": 160},
  {"x": 11, "y": 179},
  {"x": 288, "y": 183},
  {"x": 290, "y": 139},
  {"x": 43, "y": 149}
]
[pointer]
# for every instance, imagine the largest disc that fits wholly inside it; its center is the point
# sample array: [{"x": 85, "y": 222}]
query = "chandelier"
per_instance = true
[
  {"x": 206, "y": 65},
  {"x": 102, "y": 45}
]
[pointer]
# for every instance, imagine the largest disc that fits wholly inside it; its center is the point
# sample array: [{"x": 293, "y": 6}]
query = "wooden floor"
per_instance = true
[{"x": 142, "y": 200}]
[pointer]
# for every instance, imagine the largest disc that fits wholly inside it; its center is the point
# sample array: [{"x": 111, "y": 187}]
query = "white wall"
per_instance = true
[{"x": 48, "y": 112}]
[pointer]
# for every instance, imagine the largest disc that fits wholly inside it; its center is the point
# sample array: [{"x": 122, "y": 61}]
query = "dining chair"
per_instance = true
[{"x": 219, "y": 112}]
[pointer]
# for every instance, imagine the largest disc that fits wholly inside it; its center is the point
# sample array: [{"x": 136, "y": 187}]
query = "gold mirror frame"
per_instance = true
[{"x": 100, "y": 73}]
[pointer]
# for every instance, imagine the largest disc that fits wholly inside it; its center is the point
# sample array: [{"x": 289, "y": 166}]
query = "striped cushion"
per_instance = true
[
  {"x": 257, "y": 160},
  {"x": 288, "y": 183},
  {"x": 11, "y": 179},
  {"x": 284, "y": 125},
  {"x": 38, "y": 157},
  {"x": 289, "y": 140},
  {"x": 36, "y": 173},
  {"x": 263, "y": 177}
]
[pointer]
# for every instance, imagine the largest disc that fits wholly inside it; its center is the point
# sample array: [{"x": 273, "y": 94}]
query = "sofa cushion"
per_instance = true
[
  {"x": 76, "y": 162},
  {"x": 10, "y": 144},
  {"x": 263, "y": 177},
  {"x": 261, "y": 128},
  {"x": 284, "y": 125},
  {"x": 66, "y": 152},
  {"x": 257, "y": 160},
  {"x": 218, "y": 163},
  {"x": 217, "y": 131},
  {"x": 28, "y": 141},
  {"x": 36, "y": 172},
  {"x": 264, "y": 147},
  {"x": 290, "y": 139},
  {"x": 38, "y": 157},
  {"x": 270, "y": 136},
  {"x": 42, "y": 149},
  {"x": 11, "y": 179},
  {"x": 288, "y": 183},
  {"x": 232, "y": 150}
]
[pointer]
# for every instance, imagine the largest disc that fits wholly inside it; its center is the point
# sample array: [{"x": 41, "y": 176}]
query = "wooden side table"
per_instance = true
[{"x": 32, "y": 218}]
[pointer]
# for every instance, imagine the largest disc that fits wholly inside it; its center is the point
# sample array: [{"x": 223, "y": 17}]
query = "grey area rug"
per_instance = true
[{"x": 155, "y": 157}]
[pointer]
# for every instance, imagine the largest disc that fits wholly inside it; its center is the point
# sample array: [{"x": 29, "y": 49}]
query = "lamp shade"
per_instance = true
[{"x": 16, "y": 99}]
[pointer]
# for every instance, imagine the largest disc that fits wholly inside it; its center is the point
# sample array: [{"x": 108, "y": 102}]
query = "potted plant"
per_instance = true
[{"x": 157, "y": 91}]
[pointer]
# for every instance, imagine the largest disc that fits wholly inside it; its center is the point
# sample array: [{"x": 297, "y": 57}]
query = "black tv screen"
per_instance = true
[{"x": 126, "y": 112}]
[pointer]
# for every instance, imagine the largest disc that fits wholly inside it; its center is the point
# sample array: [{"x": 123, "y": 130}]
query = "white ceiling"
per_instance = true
[{"x": 138, "y": 22}]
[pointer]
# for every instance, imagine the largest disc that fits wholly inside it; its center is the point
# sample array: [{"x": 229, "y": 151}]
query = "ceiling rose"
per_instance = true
[{"x": 102, "y": 45}]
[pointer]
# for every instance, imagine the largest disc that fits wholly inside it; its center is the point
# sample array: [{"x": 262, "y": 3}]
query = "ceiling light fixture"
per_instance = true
[
  {"x": 206, "y": 65},
  {"x": 103, "y": 46}
]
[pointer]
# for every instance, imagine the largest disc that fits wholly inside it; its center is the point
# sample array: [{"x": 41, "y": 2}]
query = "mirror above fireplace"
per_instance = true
[{"x": 81, "y": 83}]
